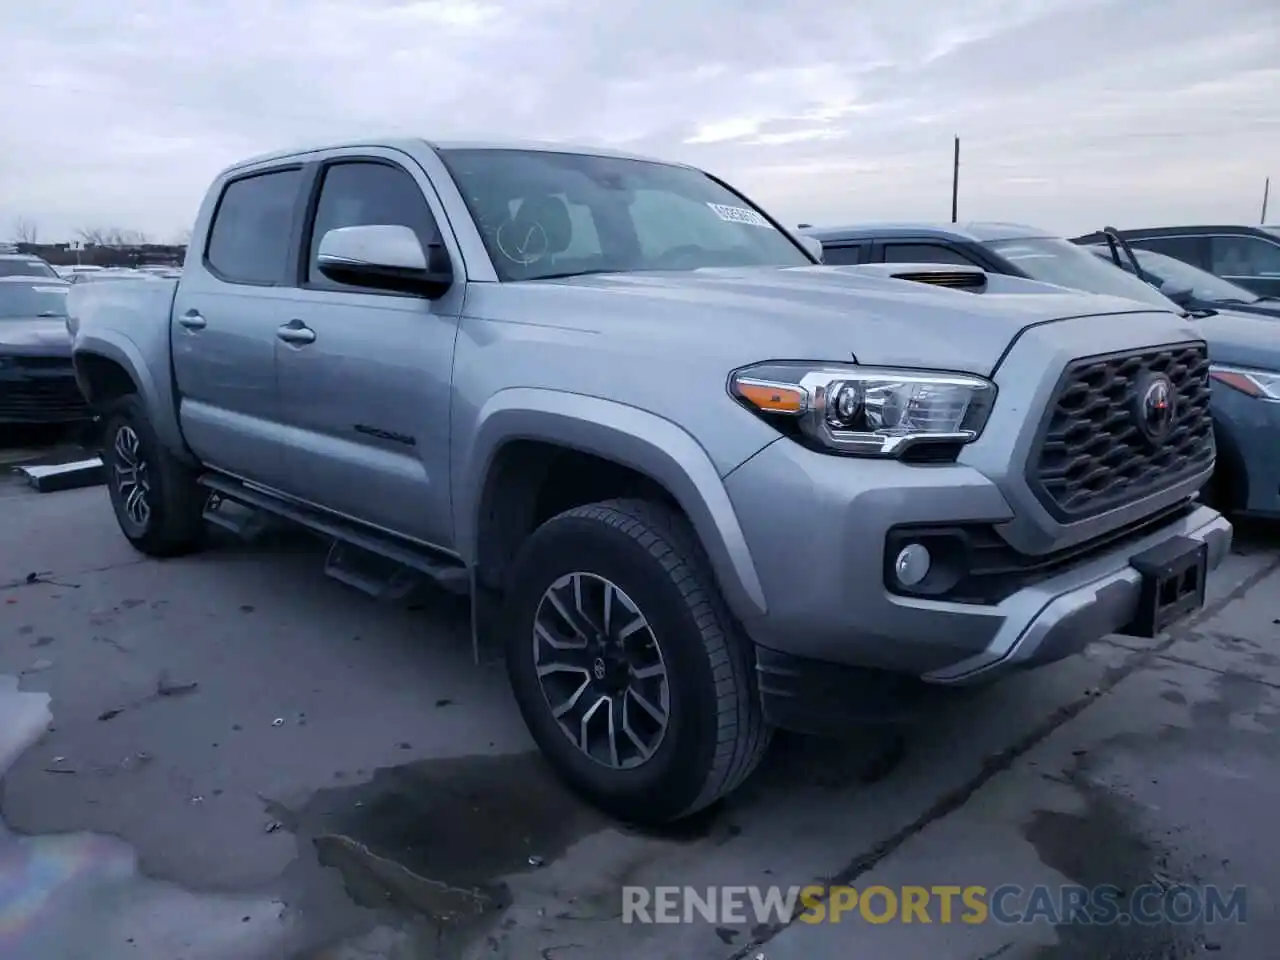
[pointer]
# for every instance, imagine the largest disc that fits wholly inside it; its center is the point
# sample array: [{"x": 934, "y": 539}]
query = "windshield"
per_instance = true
[
  {"x": 545, "y": 214},
  {"x": 1061, "y": 262},
  {"x": 1204, "y": 285},
  {"x": 25, "y": 268},
  {"x": 32, "y": 300}
]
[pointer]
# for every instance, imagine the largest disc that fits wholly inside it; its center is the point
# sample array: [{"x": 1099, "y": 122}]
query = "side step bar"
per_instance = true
[
  {"x": 371, "y": 562},
  {"x": 361, "y": 558}
]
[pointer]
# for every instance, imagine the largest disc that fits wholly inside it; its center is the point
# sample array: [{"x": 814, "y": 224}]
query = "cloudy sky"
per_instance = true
[{"x": 1071, "y": 113}]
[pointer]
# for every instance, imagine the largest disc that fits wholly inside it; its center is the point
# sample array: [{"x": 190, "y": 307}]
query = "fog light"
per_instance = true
[{"x": 912, "y": 564}]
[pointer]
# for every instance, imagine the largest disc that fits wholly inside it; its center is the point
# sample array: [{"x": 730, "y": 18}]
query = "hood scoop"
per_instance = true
[{"x": 972, "y": 280}]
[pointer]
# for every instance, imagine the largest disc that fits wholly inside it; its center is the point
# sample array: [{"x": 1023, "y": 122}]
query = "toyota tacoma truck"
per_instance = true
[{"x": 698, "y": 485}]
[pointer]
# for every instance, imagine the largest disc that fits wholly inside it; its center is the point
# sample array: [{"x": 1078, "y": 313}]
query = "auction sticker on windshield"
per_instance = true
[{"x": 739, "y": 215}]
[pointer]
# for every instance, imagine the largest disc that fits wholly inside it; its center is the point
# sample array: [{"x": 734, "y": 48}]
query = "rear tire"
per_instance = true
[
  {"x": 158, "y": 504},
  {"x": 672, "y": 645}
]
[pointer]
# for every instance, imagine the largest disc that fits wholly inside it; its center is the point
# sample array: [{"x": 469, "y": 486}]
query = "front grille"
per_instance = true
[
  {"x": 1092, "y": 454},
  {"x": 54, "y": 364},
  {"x": 43, "y": 390}
]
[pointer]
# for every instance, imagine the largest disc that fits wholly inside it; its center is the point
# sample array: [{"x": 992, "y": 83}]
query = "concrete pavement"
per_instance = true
[{"x": 298, "y": 770}]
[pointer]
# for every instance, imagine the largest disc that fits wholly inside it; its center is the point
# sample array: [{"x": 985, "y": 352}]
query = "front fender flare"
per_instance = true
[{"x": 626, "y": 435}]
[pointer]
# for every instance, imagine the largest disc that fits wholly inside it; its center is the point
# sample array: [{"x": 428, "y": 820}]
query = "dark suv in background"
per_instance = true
[
  {"x": 1004, "y": 248},
  {"x": 1248, "y": 256}
]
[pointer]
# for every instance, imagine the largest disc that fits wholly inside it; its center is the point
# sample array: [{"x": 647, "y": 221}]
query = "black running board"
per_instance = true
[{"x": 374, "y": 563}]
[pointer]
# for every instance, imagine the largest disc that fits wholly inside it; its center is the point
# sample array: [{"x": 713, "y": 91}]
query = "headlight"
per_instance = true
[
  {"x": 866, "y": 411},
  {"x": 1263, "y": 384}
]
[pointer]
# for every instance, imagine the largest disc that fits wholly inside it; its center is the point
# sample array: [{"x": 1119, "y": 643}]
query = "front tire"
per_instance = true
[
  {"x": 630, "y": 673},
  {"x": 158, "y": 504}
]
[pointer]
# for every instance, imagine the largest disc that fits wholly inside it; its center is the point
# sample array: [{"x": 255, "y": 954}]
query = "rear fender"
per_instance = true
[{"x": 155, "y": 387}]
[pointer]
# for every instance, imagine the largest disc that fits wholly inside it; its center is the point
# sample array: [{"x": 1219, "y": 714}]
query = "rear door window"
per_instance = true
[
  {"x": 252, "y": 227},
  {"x": 1249, "y": 258}
]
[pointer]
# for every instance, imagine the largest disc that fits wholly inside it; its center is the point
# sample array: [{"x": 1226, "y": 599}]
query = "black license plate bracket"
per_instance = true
[{"x": 1173, "y": 584}]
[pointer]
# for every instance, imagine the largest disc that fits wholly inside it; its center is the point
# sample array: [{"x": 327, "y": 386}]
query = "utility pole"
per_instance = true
[
  {"x": 955, "y": 181},
  {"x": 1266, "y": 195}
]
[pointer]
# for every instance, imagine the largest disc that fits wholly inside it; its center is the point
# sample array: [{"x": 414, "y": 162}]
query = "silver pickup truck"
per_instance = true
[{"x": 704, "y": 485}]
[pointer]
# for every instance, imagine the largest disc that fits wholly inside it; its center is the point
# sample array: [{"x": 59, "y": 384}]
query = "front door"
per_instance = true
[
  {"x": 224, "y": 327},
  {"x": 364, "y": 376}
]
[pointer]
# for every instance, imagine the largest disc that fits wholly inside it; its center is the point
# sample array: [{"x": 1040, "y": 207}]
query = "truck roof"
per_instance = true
[
  {"x": 975, "y": 232},
  {"x": 408, "y": 144}
]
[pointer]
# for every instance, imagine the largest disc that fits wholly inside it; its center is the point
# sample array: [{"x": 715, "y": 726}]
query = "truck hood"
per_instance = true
[
  {"x": 827, "y": 313},
  {"x": 1241, "y": 339},
  {"x": 38, "y": 335}
]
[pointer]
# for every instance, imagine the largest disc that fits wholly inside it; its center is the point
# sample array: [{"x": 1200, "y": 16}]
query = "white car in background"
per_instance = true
[{"x": 67, "y": 272}]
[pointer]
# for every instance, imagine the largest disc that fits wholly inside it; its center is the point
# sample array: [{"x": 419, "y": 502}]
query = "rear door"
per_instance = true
[
  {"x": 365, "y": 391},
  {"x": 225, "y": 318}
]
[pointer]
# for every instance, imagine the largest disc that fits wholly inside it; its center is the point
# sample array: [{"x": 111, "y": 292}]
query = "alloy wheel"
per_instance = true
[
  {"x": 601, "y": 670},
  {"x": 132, "y": 480}
]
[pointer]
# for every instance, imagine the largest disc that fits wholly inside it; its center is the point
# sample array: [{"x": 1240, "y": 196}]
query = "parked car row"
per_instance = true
[
  {"x": 697, "y": 485},
  {"x": 24, "y": 265},
  {"x": 90, "y": 273},
  {"x": 37, "y": 380},
  {"x": 1247, "y": 256}
]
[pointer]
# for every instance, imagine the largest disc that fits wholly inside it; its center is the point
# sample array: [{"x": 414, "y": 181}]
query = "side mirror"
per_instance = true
[
  {"x": 1177, "y": 292},
  {"x": 385, "y": 257},
  {"x": 814, "y": 246}
]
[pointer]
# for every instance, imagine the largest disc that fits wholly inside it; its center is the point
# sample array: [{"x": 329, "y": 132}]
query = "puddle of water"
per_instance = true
[
  {"x": 414, "y": 862},
  {"x": 1165, "y": 806},
  {"x": 433, "y": 842},
  {"x": 73, "y": 896},
  {"x": 430, "y": 846},
  {"x": 1102, "y": 845}
]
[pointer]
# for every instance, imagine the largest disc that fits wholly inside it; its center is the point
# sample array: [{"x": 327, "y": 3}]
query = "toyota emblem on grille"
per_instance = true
[{"x": 1156, "y": 402}]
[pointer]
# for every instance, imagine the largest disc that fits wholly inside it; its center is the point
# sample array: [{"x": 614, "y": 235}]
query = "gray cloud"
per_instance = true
[{"x": 1071, "y": 112}]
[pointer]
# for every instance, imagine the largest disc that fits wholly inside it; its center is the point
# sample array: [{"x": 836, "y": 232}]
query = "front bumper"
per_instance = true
[
  {"x": 1249, "y": 447},
  {"x": 816, "y": 526},
  {"x": 38, "y": 390}
]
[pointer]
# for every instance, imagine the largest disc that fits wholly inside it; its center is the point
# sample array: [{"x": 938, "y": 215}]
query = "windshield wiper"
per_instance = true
[
  {"x": 50, "y": 313},
  {"x": 574, "y": 273}
]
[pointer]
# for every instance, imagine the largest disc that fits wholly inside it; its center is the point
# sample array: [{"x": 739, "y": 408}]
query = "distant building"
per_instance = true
[{"x": 125, "y": 255}]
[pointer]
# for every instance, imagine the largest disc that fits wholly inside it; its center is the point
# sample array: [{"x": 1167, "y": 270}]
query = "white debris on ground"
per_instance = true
[{"x": 80, "y": 895}]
